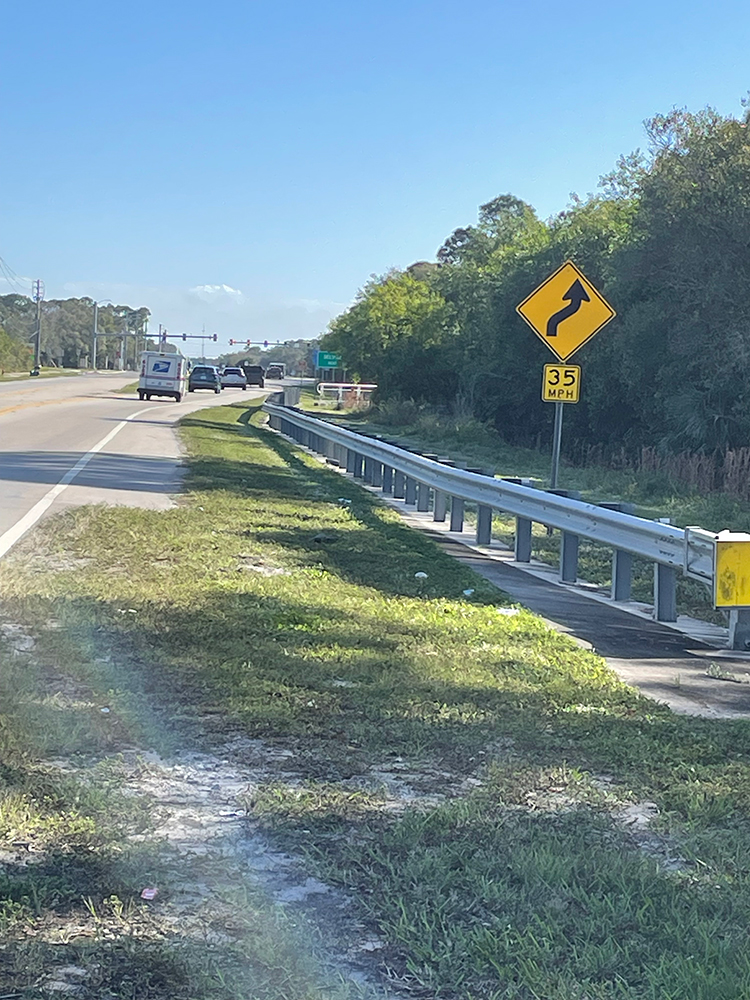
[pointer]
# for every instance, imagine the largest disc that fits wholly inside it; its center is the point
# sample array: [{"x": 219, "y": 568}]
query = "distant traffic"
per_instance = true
[{"x": 170, "y": 374}]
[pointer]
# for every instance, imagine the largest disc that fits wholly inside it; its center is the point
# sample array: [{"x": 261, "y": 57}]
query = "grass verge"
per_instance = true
[
  {"x": 510, "y": 820},
  {"x": 44, "y": 373}
]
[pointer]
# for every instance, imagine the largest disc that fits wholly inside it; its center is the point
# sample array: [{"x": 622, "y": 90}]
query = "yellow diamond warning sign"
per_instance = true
[{"x": 566, "y": 310}]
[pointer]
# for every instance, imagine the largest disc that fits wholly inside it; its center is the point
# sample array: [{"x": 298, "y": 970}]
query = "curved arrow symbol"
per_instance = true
[{"x": 575, "y": 295}]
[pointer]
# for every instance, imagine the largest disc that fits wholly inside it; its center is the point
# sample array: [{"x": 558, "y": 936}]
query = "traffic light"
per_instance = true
[
  {"x": 231, "y": 342},
  {"x": 215, "y": 337},
  {"x": 265, "y": 343},
  {"x": 184, "y": 336}
]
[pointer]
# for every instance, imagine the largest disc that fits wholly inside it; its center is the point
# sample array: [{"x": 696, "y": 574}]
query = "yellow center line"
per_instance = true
[{"x": 43, "y": 402}]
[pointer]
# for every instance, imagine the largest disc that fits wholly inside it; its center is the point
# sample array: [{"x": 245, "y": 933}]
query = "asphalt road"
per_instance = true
[{"x": 79, "y": 439}]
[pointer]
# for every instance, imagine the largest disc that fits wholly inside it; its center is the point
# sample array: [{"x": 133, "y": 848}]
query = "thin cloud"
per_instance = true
[
  {"x": 222, "y": 309},
  {"x": 214, "y": 293}
]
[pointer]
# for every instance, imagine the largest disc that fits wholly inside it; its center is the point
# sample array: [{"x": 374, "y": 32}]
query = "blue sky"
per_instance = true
[{"x": 248, "y": 165}]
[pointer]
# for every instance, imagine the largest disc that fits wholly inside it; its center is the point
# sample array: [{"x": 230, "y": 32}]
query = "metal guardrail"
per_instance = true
[
  {"x": 340, "y": 390},
  {"x": 689, "y": 551}
]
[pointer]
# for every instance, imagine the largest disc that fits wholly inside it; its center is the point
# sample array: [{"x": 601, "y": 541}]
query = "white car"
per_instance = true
[{"x": 233, "y": 378}]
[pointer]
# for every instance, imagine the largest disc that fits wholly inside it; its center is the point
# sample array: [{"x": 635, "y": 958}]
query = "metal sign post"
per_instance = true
[
  {"x": 565, "y": 312},
  {"x": 556, "y": 441}
]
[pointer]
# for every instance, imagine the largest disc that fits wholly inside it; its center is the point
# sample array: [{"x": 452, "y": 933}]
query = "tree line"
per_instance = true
[
  {"x": 666, "y": 239},
  {"x": 67, "y": 330}
]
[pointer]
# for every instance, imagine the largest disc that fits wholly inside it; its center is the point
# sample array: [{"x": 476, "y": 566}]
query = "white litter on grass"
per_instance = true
[
  {"x": 104, "y": 711},
  {"x": 299, "y": 893},
  {"x": 420, "y": 576},
  {"x": 508, "y": 612},
  {"x": 637, "y": 816},
  {"x": 469, "y": 592},
  {"x": 18, "y": 640}
]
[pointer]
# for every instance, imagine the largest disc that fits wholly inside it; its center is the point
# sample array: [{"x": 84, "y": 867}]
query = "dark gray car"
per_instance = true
[{"x": 204, "y": 377}]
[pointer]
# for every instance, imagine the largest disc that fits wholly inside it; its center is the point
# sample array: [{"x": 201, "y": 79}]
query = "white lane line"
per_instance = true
[{"x": 19, "y": 529}]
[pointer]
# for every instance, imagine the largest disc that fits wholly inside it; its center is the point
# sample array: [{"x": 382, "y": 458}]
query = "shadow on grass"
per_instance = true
[
  {"x": 383, "y": 553},
  {"x": 276, "y": 668}
]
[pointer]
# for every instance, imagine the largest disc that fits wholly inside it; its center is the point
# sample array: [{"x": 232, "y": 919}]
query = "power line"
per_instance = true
[{"x": 11, "y": 277}]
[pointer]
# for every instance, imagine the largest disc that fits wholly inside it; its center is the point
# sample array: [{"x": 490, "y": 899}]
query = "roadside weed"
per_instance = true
[{"x": 506, "y": 817}]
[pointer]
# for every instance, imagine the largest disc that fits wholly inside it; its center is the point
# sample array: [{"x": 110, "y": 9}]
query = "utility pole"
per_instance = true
[
  {"x": 37, "y": 290},
  {"x": 96, "y": 332}
]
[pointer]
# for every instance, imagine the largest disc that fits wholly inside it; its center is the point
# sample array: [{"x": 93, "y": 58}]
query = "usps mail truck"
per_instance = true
[{"x": 162, "y": 375}]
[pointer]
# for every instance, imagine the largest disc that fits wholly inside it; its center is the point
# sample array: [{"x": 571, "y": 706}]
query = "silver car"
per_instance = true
[{"x": 233, "y": 378}]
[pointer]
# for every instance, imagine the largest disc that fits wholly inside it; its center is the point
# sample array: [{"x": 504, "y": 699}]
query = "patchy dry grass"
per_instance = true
[{"x": 464, "y": 775}]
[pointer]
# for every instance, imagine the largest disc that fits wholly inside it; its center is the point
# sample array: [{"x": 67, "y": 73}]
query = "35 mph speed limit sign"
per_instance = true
[{"x": 561, "y": 383}]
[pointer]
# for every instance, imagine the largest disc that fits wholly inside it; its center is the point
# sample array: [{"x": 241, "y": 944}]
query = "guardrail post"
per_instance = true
[
  {"x": 484, "y": 525},
  {"x": 622, "y": 575},
  {"x": 423, "y": 491},
  {"x": 665, "y": 593},
  {"x": 350, "y": 457},
  {"x": 367, "y": 470},
  {"x": 387, "y": 479},
  {"x": 358, "y": 465},
  {"x": 739, "y": 628},
  {"x": 439, "y": 505},
  {"x": 484, "y": 516},
  {"x": 568, "y": 544},
  {"x": 440, "y": 498},
  {"x": 399, "y": 485},
  {"x": 410, "y": 492},
  {"x": 377, "y": 474},
  {"x": 622, "y": 562},
  {"x": 569, "y": 557},
  {"x": 457, "y": 514},
  {"x": 523, "y": 539}
]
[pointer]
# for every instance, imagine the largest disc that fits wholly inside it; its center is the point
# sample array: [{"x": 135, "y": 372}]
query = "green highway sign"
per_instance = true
[{"x": 327, "y": 359}]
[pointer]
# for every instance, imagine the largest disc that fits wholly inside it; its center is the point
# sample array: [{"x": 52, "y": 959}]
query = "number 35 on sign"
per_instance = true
[{"x": 561, "y": 383}]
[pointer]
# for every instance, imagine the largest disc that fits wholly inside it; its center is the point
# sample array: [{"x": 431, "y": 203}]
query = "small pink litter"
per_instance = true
[{"x": 149, "y": 893}]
